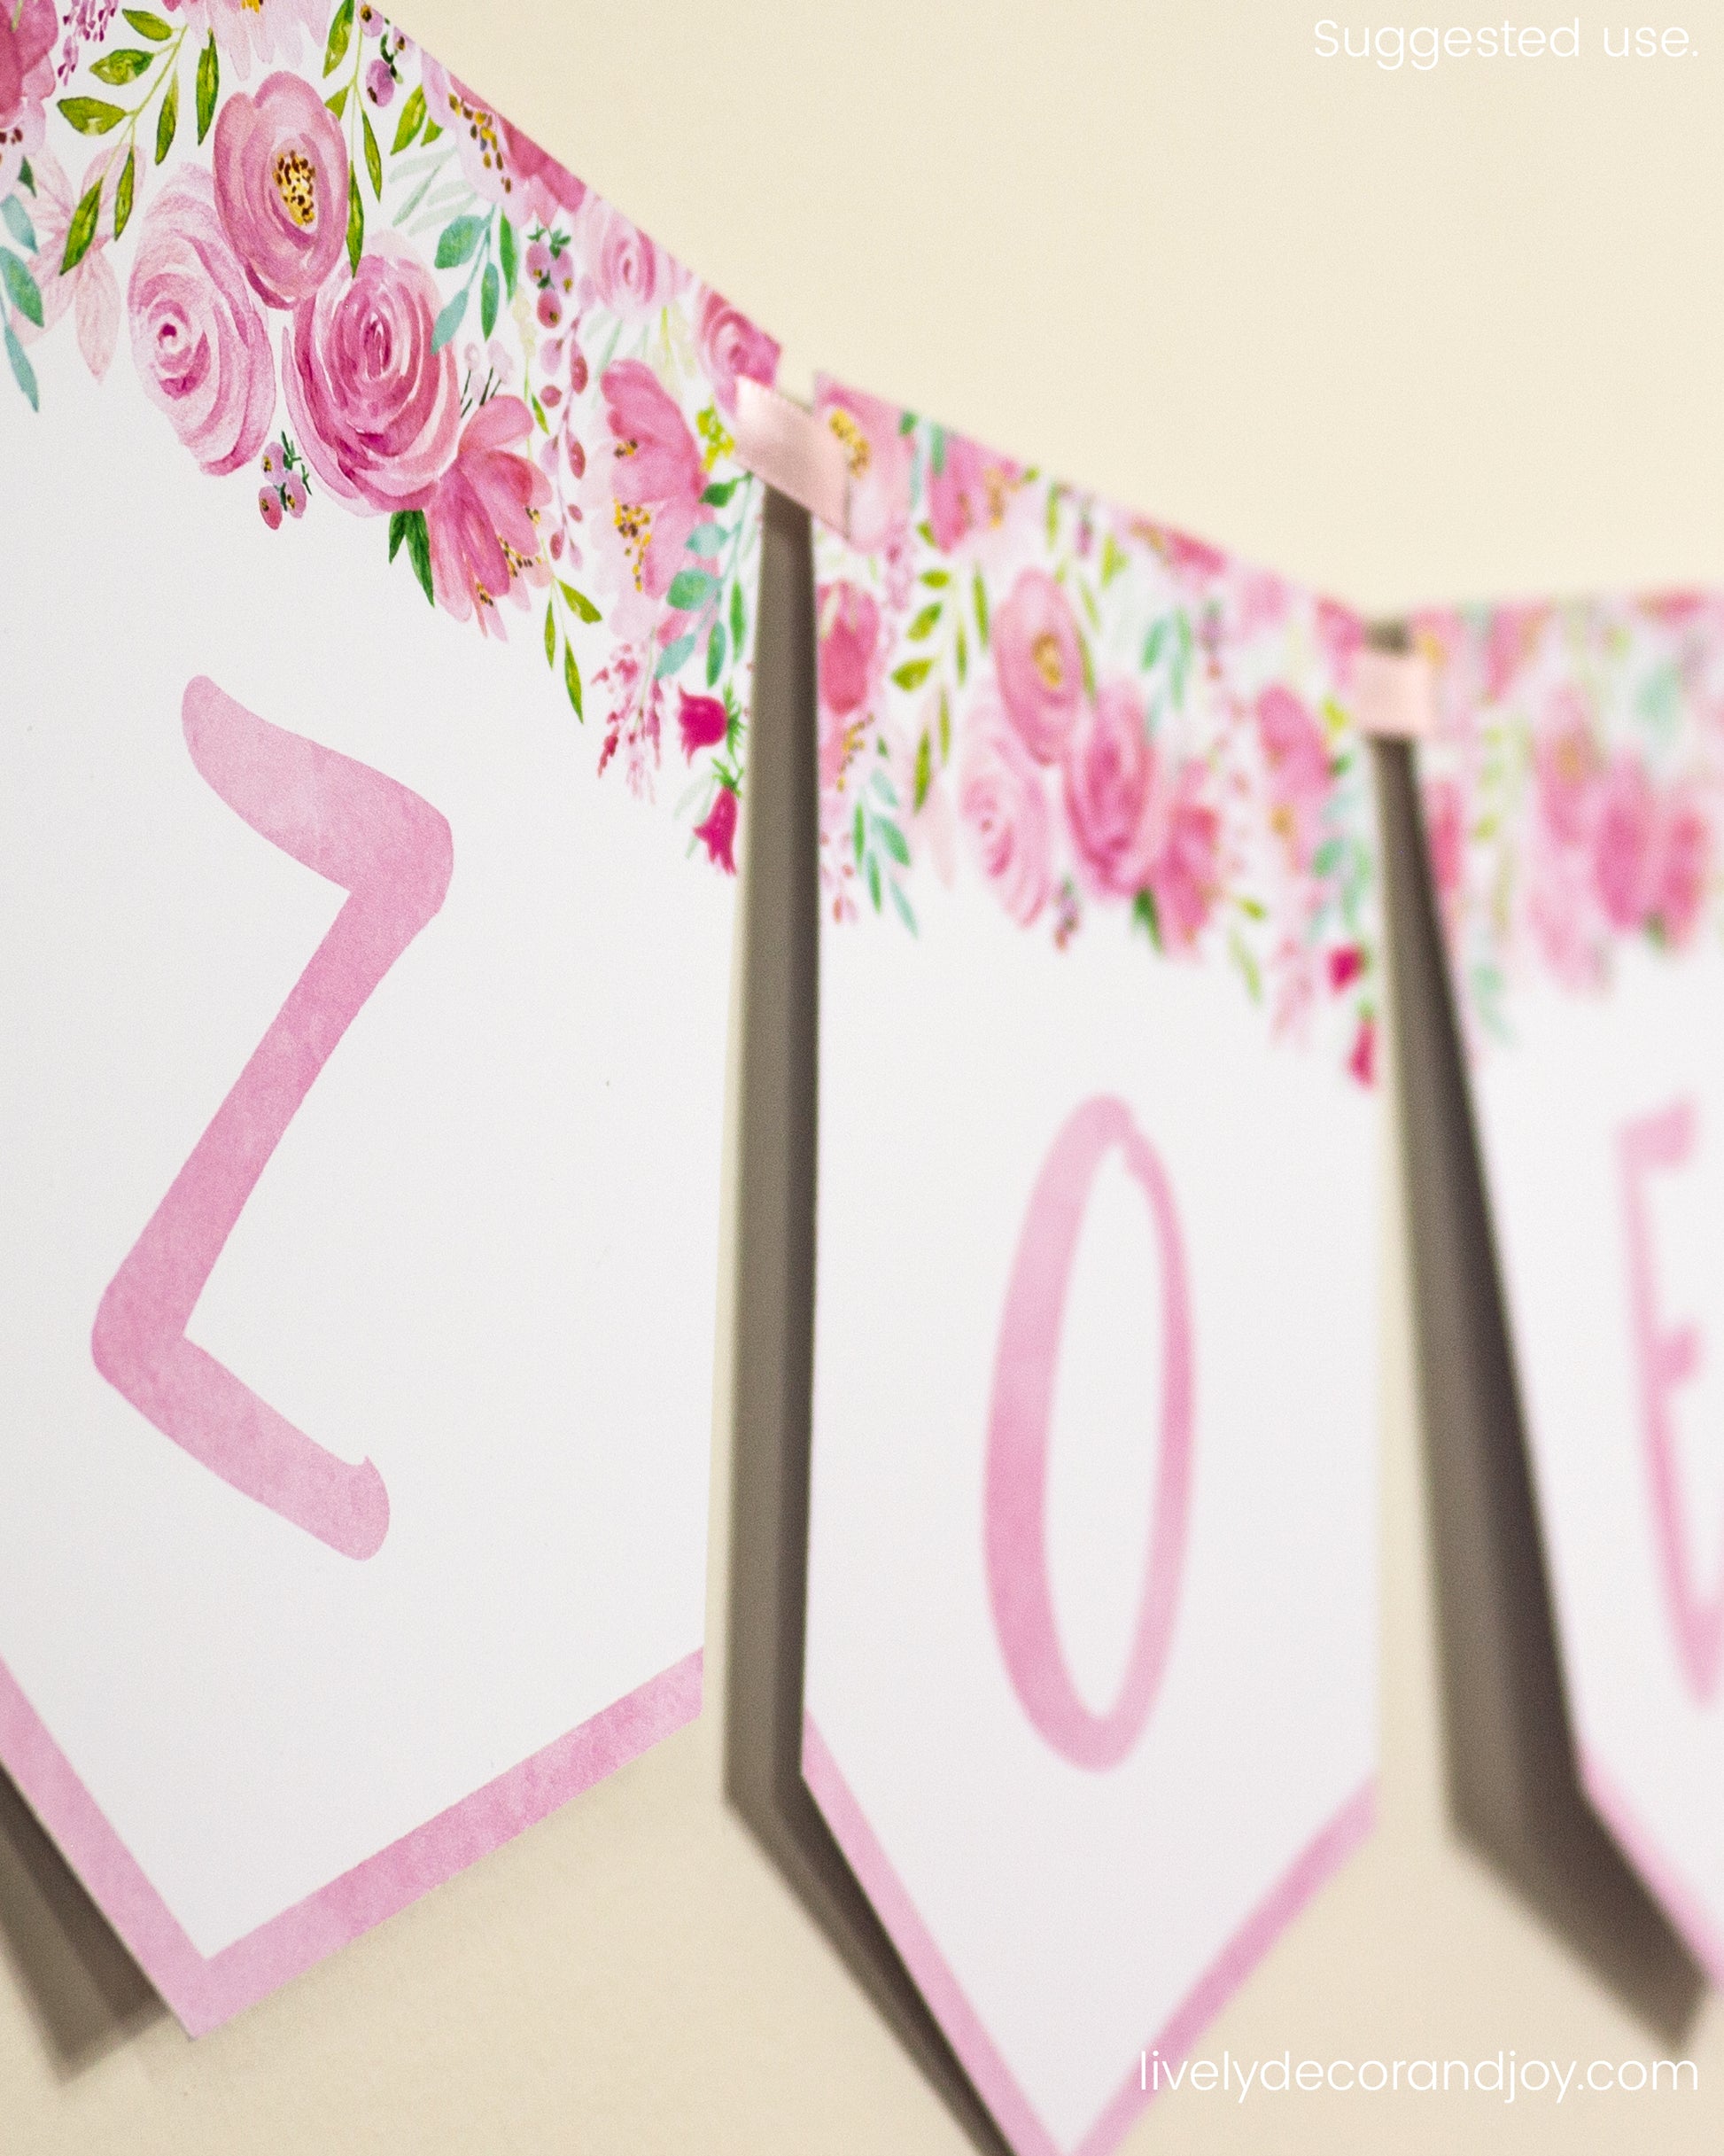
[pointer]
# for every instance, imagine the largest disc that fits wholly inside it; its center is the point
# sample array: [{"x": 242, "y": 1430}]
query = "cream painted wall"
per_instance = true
[{"x": 1408, "y": 336}]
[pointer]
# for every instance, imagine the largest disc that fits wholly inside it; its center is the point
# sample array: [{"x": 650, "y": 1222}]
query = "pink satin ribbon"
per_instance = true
[
  {"x": 1393, "y": 694},
  {"x": 789, "y": 447}
]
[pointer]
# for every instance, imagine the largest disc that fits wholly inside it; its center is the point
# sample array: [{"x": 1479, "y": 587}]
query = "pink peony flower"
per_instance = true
[
  {"x": 27, "y": 81},
  {"x": 1625, "y": 845},
  {"x": 281, "y": 185},
  {"x": 878, "y": 455},
  {"x": 245, "y": 30},
  {"x": 1110, "y": 793},
  {"x": 849, "y": 643},
  {"x": 377, "y": 409},
  {"x": 1683, "y": 872},
  {"x": 630, "y": 275},
  {"x": 89, "y": 287},
  {"x": 703, "y": 723},
  {"x": 1039, "y": 664},
  {"x": 503, "y": 164},
  {"x": 969, "y": 493},
  {"x": 1003, "y": 807},
  {"x": 482, "y": 519},
  {"x": 547, "y": 186},
  {"x": 718, "y": 834},
  {"x": 730, "y": 345},
  {"x": 1184, "y": 874},
  {"x": 1445, "y": 836},
  {"x": 656, "y": 477},
  {"x": 1297, "y": 759},
  {"x": 200, "y": 344},
  {"x": 1568, "y": 771}
]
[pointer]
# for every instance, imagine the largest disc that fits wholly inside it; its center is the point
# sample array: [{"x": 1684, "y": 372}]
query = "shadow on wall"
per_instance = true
[
  {"x": 84, "y": 1990},
  {"x": 775, "y": 1320},
  {"x": 1513, "y": 1789}
]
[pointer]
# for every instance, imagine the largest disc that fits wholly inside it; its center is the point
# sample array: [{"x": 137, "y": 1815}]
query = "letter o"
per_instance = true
[
  {"x": 1383, "y": 2071},
  {"x": 1015, "y": 1498},
  {"x": 1622, "y": 2081}
]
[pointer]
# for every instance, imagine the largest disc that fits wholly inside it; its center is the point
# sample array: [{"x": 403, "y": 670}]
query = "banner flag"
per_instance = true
[
  {"x": 1572, "y": 794},
  {"x": 378, "y": 608},
  {"x": 1091, "y": 1661}
]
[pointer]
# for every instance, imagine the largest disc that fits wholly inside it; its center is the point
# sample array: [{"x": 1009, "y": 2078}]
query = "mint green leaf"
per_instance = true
[
  {"x": 490, "y": 291},
  {"x": 690, "y": 589},
  {"x": 20, "y": 287},
  {"x": 715, "y": 654},
  {"x": 673, "y": 656},
  {"x": 456, "y": 241},
  {"x": 22, "y": 371},
  {"x": 18, "y": 223}
]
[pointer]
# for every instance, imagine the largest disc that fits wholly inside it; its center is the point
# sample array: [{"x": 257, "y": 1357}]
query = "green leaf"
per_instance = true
[
  {"x": 963, "y": 656},
  {"x": 413, "y": 117},
  {"x": 168, "y": 120},
  {"x": 122, "y": 195},
  {"x": 719, "y": 492},
  {"x": 449, "y": 321},
  {"x": 578, "y": 602},
  {"x": 409, "y": 526},
  {"x": 20, "y": 287},
  {"x": 924, "y": 770},
  {"x": 430, "y": 136},
  {"x": 936, "y": 443},
  {"x": 373, "y": 155},
  {"x": 738, "y": 619},
  {"x": 923, "y": 625},
  {"x": 505, "y": 253},
  {"x": 936, "y": 580},
  {"x": 571, "y": 679},
  {"x": 26, "y": 175},
  {"x": 397, "y": 532},
  {"x": 893, "y": 840},
  {"x": 906, "y": 423},
  {"x": 673, "y": 656},
  {"x": 90, "y": 115},
  {"x": 337, "y": 104},
  {"x": 715, "y": 654},
  {"x": 690, "y": 589},
  {"x": 913, "y": 672},
  {"x": 873, "y": 879},
  {"x": 340, "y": 30},
  {"x": 456, "y": 241},
  {"x": 858, "y": 832},
  {"x": 903, "y": 904},
  {"x": 705, "y": 538},
  {"x": 82, "y": 230},
  {"x": 490, "y": 291},
  {"x": 18, "y": 223},
  {"x": 356, "y": 247},
  {"x": 148, "y": 26},
  {"x": 982, "y": 608},
  {"x": 550, "y": 635},
  {"x": 946, "y": 727},
  {"x": 124, "y": 66},
  {"x": 209, "y": 82},
  {"x": 1112, "y": 560},
  {"x": 1143, "y": 912},
  {"x": 23, "y": 373}
]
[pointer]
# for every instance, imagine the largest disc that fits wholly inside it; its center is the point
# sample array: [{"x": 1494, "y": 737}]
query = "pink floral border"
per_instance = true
[
  {"x": 350, "y": 284},
  {"x": 1573, "y": 788},
  {"x": 1104, "y": 721}
]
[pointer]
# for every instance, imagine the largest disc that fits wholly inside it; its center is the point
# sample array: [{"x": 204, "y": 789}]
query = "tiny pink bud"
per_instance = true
[
  {"x": 538, "y": 261},
  {"x": 370, "y": 20},
  {"x": 293, "y": 495},
  {"x": 550, "y": 396},
  {"x": 577, "y": 369},
  {"x": 379, "y": 82},
  {"x": 577, "y": 458},
  {"x": 549, "y": 309},
  {"x": 271, "y": 504}
]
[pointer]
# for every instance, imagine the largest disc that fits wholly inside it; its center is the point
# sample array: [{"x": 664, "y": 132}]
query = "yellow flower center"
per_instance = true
[
  {"x": 858, "y": 454},
  {"x": 635, "y": 525},
  {"x": 482, "y": 128},
  {"x": 1049, "y": 664},
  {"x": 296, "y": 183}
]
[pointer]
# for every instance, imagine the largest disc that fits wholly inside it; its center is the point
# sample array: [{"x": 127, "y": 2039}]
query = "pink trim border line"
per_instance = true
[
  {"x": 1659, "y": 1873},
  {"x": 977, "y": 2053},
  {"x": 204, "y": 1992}
]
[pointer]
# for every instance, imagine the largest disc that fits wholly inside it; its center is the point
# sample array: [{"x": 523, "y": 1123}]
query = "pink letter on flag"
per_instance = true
[
  {"x": 1016, "y": 1512},
  {"x": 392, "y": 853},
  {"x": 1666, "y": 1359}
]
